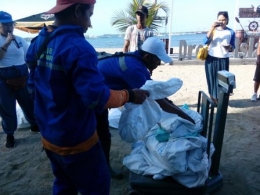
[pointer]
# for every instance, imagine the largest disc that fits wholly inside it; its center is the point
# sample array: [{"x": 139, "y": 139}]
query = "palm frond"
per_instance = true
[{"x": 122, "y": 19}]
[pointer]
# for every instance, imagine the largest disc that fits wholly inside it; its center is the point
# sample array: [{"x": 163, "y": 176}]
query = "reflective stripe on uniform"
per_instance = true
[
  {"x": 122, "y": 63},
  {"x": 51, "y": 66},
  {"x": 82, "y": 147}
]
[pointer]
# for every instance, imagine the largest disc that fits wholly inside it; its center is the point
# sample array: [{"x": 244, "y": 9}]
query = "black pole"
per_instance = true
[{"x": 223, "y": 99}]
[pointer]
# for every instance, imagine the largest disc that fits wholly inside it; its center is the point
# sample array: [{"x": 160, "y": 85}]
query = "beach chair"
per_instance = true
[{"x": 146, "y": 185}]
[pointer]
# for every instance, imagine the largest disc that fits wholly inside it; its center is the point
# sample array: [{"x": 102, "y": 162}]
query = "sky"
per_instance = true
[{"x": 187, "y": 15}]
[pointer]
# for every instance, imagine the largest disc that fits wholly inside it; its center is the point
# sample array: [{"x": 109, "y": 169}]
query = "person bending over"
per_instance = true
[{"x": 132, "y": 71}]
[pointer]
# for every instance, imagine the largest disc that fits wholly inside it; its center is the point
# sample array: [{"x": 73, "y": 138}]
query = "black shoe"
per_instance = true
[
  {"x": 9, "y": 141},
  {"x": 35, "y": 129},
  {"x": 116, "y": 174}
]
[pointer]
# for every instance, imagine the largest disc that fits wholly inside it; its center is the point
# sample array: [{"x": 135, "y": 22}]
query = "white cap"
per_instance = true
[{"x": 156, "y": 46}]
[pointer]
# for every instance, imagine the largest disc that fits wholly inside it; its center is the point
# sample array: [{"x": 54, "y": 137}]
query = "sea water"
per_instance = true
[{"x": 116, "y": 41}]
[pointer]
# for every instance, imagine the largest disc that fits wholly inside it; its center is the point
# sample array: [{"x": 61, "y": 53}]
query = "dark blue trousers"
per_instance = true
[
  {"x": 212, "y": 66},
  {"x": 8, "y": 98},
  {"x": 86, "y": 173}
]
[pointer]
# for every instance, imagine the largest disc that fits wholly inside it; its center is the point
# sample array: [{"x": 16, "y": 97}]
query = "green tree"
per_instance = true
[{"x": 122, "y": 19}]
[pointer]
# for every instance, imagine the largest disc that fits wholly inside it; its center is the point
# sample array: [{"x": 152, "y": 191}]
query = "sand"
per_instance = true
[{"x": 25, "y": 169}]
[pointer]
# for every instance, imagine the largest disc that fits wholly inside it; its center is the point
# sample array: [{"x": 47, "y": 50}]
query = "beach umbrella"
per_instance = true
[{"x": 34, "y": 23}]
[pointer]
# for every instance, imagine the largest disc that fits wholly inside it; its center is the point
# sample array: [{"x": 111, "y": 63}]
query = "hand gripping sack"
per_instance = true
[{"x": 203, "y": 53}]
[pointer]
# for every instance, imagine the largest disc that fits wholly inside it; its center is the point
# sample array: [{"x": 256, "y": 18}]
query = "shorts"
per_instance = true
[{"x": 257, "y": 74}]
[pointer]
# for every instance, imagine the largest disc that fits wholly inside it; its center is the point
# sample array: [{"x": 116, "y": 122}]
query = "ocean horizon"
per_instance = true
[
  {"x": 117, "y": 41},
  {"x": 110, "y": 41}
]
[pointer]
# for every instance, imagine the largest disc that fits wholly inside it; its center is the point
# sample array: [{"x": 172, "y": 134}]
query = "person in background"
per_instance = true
[
  {"x": 257, "y": 75},
  {"x": 119, "y": 75},
  {"x": 136, "y": 34},
  {"x": 68, "y": 90},
  {"x": 12, "y": 65},
  {"x": 221, "y": 40}
]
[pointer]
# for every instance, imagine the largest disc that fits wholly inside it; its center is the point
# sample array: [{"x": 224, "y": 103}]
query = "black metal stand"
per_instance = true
[{"x": 220, "y": 122}]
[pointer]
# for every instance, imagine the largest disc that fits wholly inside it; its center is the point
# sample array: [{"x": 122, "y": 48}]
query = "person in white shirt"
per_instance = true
[
  {"x": 136, "y": 34},
  {"x": 221, "y": 40},
  {"x": 13, "y": 69}
]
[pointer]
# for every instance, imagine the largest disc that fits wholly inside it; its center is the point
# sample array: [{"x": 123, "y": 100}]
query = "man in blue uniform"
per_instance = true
[
  {"x": 132, "y": 71},
  {"x": 68, "y": 90}
]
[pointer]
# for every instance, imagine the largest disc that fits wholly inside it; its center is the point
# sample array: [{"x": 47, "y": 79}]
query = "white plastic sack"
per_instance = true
[
  {"x": 136, "y": 120},
  {"x": 179, "y": 127},
  {"x": 21, "y": 121},
  {"x": 162, "y": 89},
  {"x": 182, "y": 157},
  {"x": 114, "y": 115},
  {"x": 185, "y": 159}
]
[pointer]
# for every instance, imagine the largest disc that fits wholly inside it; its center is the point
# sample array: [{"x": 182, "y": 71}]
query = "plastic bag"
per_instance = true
[
  {"x": 162, "y": 89},
  {"x": 114, "y": 115},
  {"x": 21, "y": 121},
  {"x": 137, "y": 120},
  {"x": 203, "y": 53}
]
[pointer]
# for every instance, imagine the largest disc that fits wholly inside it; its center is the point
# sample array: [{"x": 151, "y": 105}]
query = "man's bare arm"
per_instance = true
[
  {"x": 172, "y": 108},
  {"x": 126, "y": 46}
]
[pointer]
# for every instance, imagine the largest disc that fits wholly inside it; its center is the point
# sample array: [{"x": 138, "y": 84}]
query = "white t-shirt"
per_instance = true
[
  {"x": 137, "y": 36},
  {"x": 14, "y": 56},
  {"x": 220, "y": 38}
]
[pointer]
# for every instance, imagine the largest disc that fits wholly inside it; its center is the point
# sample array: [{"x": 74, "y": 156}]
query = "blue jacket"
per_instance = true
[
  {"x": 129, "y": 72},
  {"x": 67, "y": 87}
]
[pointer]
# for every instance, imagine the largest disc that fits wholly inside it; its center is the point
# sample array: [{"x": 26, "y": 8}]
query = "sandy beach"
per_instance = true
[{"x": 25, "y": 169}]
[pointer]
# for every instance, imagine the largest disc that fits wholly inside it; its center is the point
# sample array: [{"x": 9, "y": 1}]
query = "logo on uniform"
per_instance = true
[{"x": 47, "y": 16}]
